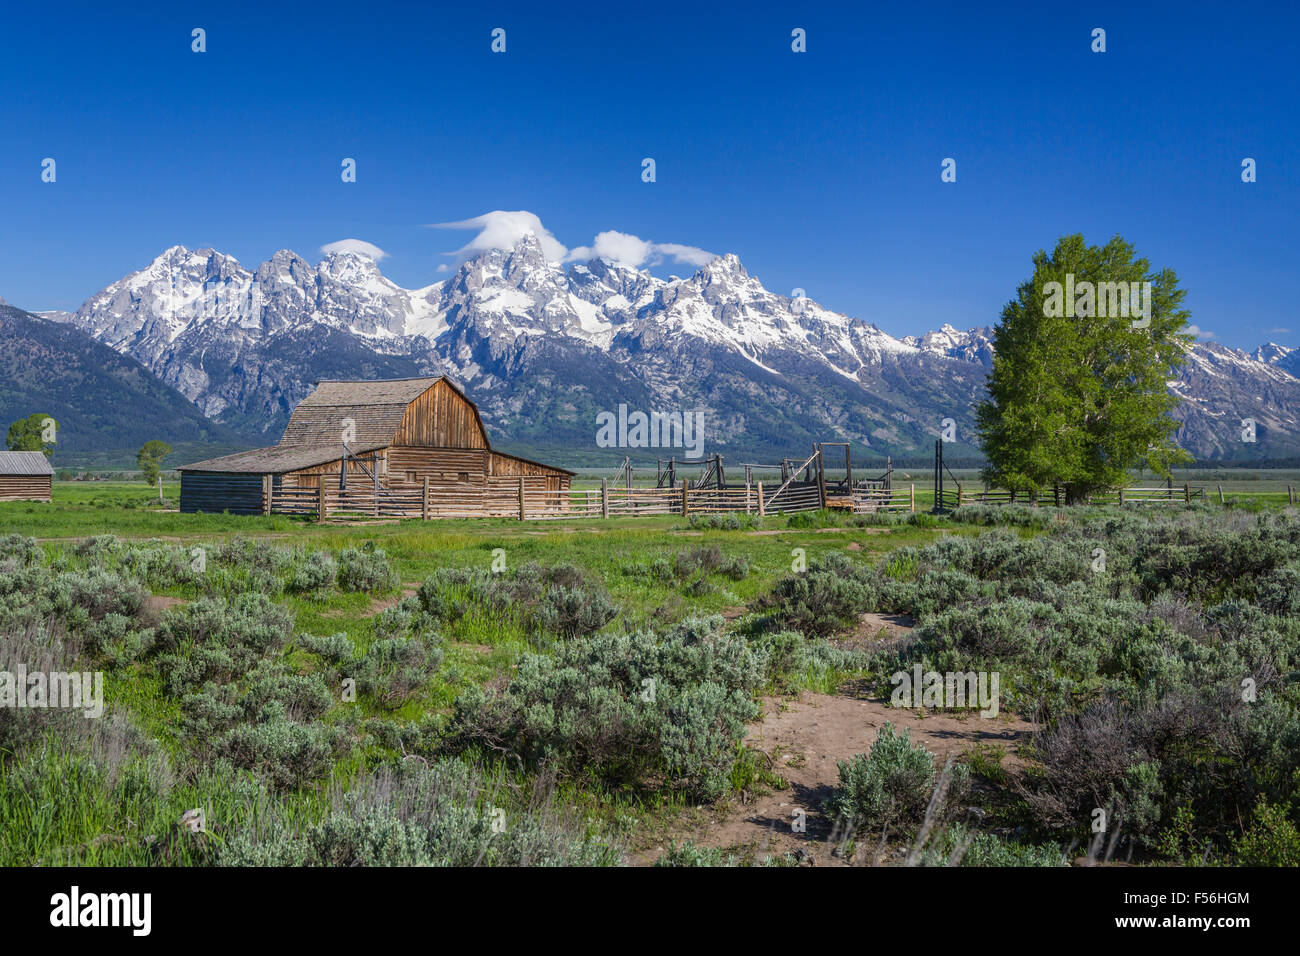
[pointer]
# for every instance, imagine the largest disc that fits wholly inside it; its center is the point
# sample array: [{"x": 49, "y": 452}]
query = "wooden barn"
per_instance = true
[
  {"x": 386, "y": 438},
  {"x": 25, "y": 476}
]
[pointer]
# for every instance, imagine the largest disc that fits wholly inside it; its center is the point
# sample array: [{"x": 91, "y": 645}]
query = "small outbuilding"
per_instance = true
[{"x": 25, "y": 476}]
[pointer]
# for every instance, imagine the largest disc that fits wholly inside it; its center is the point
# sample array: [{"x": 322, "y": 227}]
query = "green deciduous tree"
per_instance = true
[
  {"x": 34, "y": 433},
  {"x": 1078, "y": 393},
  {"x": 150, "y": 457}
]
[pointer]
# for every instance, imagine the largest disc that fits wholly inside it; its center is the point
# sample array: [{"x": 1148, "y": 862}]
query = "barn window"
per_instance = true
[
  {"x": 464, "y": 476},
  {"x": 411, "y": 477}
]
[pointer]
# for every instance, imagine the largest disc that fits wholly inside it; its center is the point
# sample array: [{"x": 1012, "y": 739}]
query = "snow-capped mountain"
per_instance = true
[{"x": 543, "y": 348}]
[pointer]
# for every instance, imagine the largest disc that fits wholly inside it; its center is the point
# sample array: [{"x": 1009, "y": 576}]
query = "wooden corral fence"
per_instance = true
[
  {"x": 870, "y": 501},
  {"x": 528, "y": 498},
  {"x": 954, "y": 496}
]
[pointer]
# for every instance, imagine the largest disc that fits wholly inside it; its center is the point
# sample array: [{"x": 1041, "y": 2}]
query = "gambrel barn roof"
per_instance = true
[{"x": 376, "y": 408}]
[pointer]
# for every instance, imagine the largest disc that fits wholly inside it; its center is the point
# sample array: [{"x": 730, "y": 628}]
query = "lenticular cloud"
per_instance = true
[{"x": 501, "y": 230}]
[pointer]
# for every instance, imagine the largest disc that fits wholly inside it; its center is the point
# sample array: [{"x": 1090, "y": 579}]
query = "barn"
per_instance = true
[
  {"x": 392, "y": 436},
  {"x": 25, "y": 476}
]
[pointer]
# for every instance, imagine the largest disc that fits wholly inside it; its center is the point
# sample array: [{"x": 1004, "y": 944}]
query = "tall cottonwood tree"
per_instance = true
[
  {"x": 150, "y": 457},
  {"x": 1077, "y": 400},
  {"x": 33, "y": 433}
]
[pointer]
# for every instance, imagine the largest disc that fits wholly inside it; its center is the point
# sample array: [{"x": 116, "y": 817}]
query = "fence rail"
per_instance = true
[
  {"x": 873, "y": 500},
  {"x": 529, "y": 498},
  {"x": 1177, "y": 494}
]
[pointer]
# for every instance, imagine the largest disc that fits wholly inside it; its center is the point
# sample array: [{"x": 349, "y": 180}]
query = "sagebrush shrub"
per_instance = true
[
  {"x": 365, "y": 570},
  {"x": 214, "y": 640},
  {"x": 395, "y": 669},
  {"x": 561, "y": 600},
  {"x": 444, "y": 814},
  {"x": 335, "y": 648},
  {"x": 625, "y": 707},
  {"x": 826, "y": 598},
  {"x": 315, "y": 574},
  {"x": 285, "y": 752},
  {"x": 892, "y": 785},
  {"x": 19, "y": 549}
]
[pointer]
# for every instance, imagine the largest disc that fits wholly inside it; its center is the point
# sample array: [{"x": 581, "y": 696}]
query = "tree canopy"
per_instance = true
[
  {"x": 149, "y": 458},
  {"x": 1078, "y": 393},
  {"x": 36, "y": 432}
]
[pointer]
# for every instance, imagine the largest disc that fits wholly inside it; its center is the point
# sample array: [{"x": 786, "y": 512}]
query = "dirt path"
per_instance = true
[{"x": 804, "y": 739}]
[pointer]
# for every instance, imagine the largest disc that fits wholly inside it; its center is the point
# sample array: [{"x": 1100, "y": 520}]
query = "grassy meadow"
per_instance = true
[{"x": 581, "y": 692}]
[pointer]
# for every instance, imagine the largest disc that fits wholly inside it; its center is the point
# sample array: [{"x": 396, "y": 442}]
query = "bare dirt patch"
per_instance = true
[
  {"x": 380, "y": 604},
  {"x": 804, "y": 738},
  {"x": 157, "y": 605},
  {"x": 881, "y": 632}
]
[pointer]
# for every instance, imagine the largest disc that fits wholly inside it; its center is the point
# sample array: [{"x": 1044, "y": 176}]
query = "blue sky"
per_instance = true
[{"x": 820, "y": 170}]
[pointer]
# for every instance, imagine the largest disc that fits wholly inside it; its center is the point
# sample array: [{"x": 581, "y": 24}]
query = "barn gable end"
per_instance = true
[{"x": 441, "y": 417}]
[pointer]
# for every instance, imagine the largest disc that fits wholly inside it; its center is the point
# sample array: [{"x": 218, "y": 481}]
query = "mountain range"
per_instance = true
[
  {"x": 102, "y": 400},
  {"x": 543, "y": 348}
]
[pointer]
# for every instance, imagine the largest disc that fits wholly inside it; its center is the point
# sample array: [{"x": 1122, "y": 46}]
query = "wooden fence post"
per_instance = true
[
  {"x": 686, "y": 504},
  {"x": 911, "y": 494},
  {"x": 762, "y": 512},
  {"x": 1121, "y": 496},
  {"x": 1220, "y": 494},
  {"x": 268, "y": 489},
  {"x": 320, "y": 502},
  {"x": 604, "y": 497},
  {"x": 424, "y": 507},
  {"x": 1187, "y": 493},
  {"x": 1056, "y": 495},
  {"x": 521, "y": 497}
]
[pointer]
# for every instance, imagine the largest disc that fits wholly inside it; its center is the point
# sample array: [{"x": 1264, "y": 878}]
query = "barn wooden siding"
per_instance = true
[
  {"x": 311, "y": 477},
  {"x": 410, "y": 465},
  {"x": 441, "y": 418},
  {"x": 213, "y": 492},
  {"x": 25, "y": 487}
]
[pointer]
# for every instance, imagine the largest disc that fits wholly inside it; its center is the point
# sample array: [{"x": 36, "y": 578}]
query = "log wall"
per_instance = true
[{"x": 25, "y": 487}]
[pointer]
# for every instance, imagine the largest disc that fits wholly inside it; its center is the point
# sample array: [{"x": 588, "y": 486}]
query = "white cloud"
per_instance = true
[
  {"x": 1281, "y": 331},
  {"x": 1199, "y": 332},
  {"x": 690, "y": 255},
  {"x": 637, "y": 253},
  {"x": 359, "y": 246},
  {"x": 501, "y": 230}
]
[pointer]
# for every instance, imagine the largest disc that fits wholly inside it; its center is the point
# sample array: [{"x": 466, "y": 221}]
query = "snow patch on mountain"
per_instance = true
[{"x": 517, "y": 323}]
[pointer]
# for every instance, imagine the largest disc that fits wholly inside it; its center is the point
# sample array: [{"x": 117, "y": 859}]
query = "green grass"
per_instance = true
[{"x": 63, "y": 813}]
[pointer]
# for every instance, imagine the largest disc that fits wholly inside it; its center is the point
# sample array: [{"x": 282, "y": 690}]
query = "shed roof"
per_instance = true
[
  {"x": 24, "y": 463},
  {"x": 278, "y": 459}
]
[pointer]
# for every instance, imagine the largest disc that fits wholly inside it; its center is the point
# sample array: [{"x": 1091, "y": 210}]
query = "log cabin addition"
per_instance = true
[
  {"x": 385, "y": 439},
  {"x": 25, "y": 476}
]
